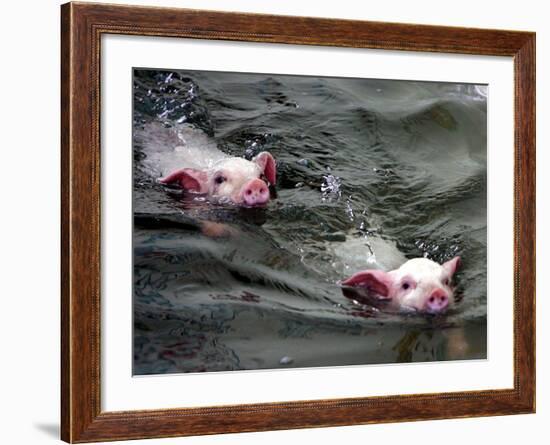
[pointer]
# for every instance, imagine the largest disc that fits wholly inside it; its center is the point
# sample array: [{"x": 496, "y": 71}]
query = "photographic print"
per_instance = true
[
  {"x": 300, "y": 214},
  {"x": 285, "y": 221}
]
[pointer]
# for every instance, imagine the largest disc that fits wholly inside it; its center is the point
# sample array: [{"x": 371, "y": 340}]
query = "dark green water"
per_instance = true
[{"x": 397, "y": 160}]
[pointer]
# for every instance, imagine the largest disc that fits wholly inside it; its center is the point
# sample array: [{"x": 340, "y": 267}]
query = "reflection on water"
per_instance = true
[{"x": 393, "y": 168}]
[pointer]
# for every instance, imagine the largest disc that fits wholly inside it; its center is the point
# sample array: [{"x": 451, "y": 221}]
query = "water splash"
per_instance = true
[{"x": 331, "y": 188}]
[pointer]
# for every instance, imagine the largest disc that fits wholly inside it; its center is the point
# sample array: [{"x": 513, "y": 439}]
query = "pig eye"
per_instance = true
[
  {"x": 447, "y": 282},
  {"x": 405, "y": 286},
  {"x": 219, "y": 179}
]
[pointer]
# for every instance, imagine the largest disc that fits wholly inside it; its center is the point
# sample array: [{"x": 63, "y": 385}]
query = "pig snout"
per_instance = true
[
  {"x": 255, "y": 193},
  {"x": 437, "y": 302}
]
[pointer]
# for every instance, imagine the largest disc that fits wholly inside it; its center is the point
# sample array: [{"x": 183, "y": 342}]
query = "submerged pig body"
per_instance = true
[
  {"x": 187, "y": 158},
  {"x": 418, "y": 285}
]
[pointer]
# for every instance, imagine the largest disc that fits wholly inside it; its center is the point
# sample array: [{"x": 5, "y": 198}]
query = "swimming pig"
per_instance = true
[
  {"x": 229, "y": 178},
  {"x": 419, "y": 285},
  {"x": 188, "y": 158}
]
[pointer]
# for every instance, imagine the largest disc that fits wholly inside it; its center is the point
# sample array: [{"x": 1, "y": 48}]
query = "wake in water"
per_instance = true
[{"x": 167, "y": 149}]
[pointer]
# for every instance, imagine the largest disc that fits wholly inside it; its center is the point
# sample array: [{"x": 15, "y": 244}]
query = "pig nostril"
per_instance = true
[
  {"x": 432, "y": 300},
  {"x": 249, "y": 192}
]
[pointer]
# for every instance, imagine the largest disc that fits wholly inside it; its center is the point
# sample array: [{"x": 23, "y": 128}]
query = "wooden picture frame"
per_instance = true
[{"x": 82, "y": 26}]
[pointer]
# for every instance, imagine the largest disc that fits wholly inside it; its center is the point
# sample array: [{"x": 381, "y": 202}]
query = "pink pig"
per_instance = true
[
  {"x": 230, "y": 178},
  {"x": 419, "y": 285}
]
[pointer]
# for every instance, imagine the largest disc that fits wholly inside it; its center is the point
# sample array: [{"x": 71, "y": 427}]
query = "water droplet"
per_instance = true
[
  {"x": 331, "y": 187},
  {"x": 163, "y": 114}
]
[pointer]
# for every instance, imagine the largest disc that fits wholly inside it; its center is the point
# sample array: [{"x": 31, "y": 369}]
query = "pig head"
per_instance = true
[
  {"x": 231, "y": 179},
  {"x": 419, "y": 285}
]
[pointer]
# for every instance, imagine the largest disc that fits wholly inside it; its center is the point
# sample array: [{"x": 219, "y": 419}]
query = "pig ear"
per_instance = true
[
  {"x": 267, "y": 165},
  {"x": 377, "y": 281},
  {"x": 188, "y": 179},
  {"x": 452, "y": 266}
]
